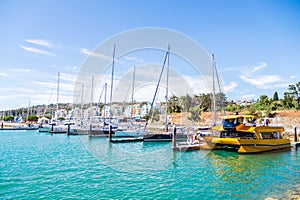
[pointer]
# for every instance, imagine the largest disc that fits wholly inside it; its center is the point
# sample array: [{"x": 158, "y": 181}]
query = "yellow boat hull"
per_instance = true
[
  {"x": 256, "y": 146},
  {"x": 250, "y": 145}
]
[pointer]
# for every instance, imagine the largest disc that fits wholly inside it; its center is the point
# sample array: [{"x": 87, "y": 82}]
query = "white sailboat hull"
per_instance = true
[{"x": 128, "y": 133}]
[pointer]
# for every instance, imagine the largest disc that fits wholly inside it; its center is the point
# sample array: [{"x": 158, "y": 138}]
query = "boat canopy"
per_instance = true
[{"x": 244, "y": 128}]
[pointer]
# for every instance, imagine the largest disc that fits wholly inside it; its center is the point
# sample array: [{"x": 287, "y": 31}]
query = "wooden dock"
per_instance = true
[
  {"x": 188, "y": 147},
  {"x": 19, "y": 128},
  {"x": 295, "y": 144}
]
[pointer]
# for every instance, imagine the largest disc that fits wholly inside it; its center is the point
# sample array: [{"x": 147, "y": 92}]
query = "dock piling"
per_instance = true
[
  {"x": 295, "y": 132},
  {"x": 174, "y": 137},
  {"x": 110, "y": 132},
  {"x": 90, "y": 131},
  {"x": 68, "y": 132}
]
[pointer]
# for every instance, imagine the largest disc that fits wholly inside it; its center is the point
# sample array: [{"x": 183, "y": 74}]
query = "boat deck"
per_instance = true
[
  {"x": 123, "y": 140},
  {"x": 295, "y": 144}
]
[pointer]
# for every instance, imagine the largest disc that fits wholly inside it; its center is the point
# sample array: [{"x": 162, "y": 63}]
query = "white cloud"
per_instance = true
[
  {"x": 130, "y": 58},
  {"x": 259, "y": 67},
  {"x": 2, "y": 74},
  {"x": 20, "y": 70},
  {"x": 38, "y": 51},
  {"x": 19, "y": 89},
  {"x": 292, "y": 77},
  {"x": 245, "y": 68},
  {"x": 262, "y": 82},
  {"x": 40, "y": 42},
  {"x": 281, "y": 85},
  {"x": 135, "y": 59},
  {"x": 68, "y": 77},
  {"x": 230, "y": 87},
  {"x": 91, "y": 53}
]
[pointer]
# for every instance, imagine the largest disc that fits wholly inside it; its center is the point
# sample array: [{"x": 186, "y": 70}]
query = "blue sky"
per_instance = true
[{"x": 256, "y": 42}]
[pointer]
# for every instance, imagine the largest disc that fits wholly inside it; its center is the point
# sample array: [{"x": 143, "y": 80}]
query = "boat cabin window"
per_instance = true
[
  {"x": 237, "y": 134},
  {"x": 239, "y": 121},
  {"x": 228, "y": 123},
  {"x": 250, "y": 121},
  {"x": 270, "y": 135},
  {"x": 216, "y": 133}
]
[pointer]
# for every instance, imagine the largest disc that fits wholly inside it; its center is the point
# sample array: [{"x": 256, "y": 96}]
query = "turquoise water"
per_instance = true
[{"x": 37, "y": 165}]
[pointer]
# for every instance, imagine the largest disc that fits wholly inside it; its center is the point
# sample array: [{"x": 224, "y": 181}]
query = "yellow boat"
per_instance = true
[{"x": 239, "y": 132}]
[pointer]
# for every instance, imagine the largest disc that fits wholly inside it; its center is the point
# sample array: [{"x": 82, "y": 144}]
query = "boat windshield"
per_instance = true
[
  {"x": 233, "y": 121},
  {"x": 270, "y": 135},
  {"x": 237, "y": 134}
]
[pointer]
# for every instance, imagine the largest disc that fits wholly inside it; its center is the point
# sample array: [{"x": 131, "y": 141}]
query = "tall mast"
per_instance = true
[
  {"x": 28, "y": 109},
  {"x": 220, "y": 89},
  {"x": 111, "y": 93},
  {"x": 112, "y": 82},
  {"x": 57, "y": 97},
  {"x": 104, "y": 107},
  {"x": 167, "y": 89},
  {"x": 157, "y": 86},
  {"x": 214, "y": 91},
  {"x": 132, "y": 92},
  {"x": 92, "y": 96},
  {"x": 81, "y": 109}
]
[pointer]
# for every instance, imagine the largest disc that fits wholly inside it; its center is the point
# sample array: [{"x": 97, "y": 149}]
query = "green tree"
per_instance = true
[
  {"x": 276, "y": 105},
  {"x": 61, "y": 119},
  {"x": 220, "y": 101},
  {"x": 275, "y": 96},
  {"x": 32, "y": 118},
  {"x": 174, "y": 105},
  {"x": 203, "y": 101},
  {"x": 153, "y": 115},
  {"x": 185, "y": 102},
  {"x": 287, "y": 101},
  {"x": 264, "y": 102},
  {"x": 8, "y": 118},
  {"x": 294, "y": 91},
  {"x": 195, "y": 114}
]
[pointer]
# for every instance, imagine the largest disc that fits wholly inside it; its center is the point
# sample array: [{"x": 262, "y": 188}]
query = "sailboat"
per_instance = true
[
  {"x": 132, "y": 131},
  {"x": 162, "y": 136},
  {"x": 103, "y": 129},
  {"x": 55, "y": 127}
]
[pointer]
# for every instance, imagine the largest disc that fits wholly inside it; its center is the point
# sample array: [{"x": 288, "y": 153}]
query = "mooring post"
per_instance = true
[
  {"x": 174, "y": 137},
  {"x": 90, "y": 131},
  {"x": 110, "y": 132},
  {"x": 68, "y": 132},
  {"x": 52, "y": 127},
  {"x": 2, "y": 125},
  {"x": 295, "y": 131}
]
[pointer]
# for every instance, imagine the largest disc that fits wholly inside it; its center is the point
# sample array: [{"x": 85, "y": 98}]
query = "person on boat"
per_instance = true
[
  {"x": 272, "y": 136},
  {"x": 266, "y": 122},
  {"x": 254, "y": 122}
]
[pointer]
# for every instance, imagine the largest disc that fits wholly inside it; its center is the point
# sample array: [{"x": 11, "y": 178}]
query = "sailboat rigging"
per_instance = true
[{"x": 161, "y": 137}]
